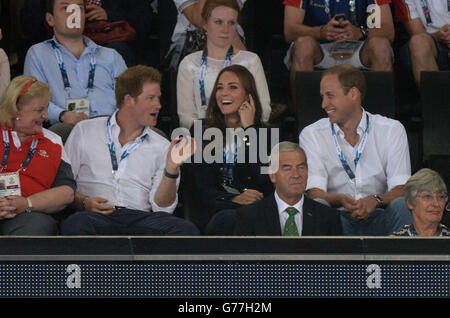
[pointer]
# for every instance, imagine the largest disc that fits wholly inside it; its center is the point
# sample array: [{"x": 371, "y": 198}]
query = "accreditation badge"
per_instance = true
[
  {"x": 78, "y": 105},
  {"x": 9, "y": 184},
  {"x": 344, "y": 49}
]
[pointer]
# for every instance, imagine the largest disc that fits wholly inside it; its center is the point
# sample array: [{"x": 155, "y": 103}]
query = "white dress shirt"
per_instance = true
[
  {"x": 384, "y": 163},
  {"x": 135, "y": 182},
  {"x": 282, "y": 206}
]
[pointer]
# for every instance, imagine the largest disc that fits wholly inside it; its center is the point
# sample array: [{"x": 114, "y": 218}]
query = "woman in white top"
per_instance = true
[
  {"x": 198, "y": 71},
  {"x": 5, "y": 76}
]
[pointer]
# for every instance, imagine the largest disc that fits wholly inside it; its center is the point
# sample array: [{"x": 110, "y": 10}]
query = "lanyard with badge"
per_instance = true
[
  {"x": 359, "y": 151},
  {"x": 75, "y": 104},
  {"x": 10, "y": 181},
  {"x": 112, "y": 148},
  {"x": 203, "y": 71},
  {"x": 427, "y": 12},
  {"x": 229, "y": 163}
]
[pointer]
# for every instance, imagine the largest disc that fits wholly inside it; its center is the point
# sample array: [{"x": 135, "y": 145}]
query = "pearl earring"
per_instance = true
[{"x": 17, "y": 118}]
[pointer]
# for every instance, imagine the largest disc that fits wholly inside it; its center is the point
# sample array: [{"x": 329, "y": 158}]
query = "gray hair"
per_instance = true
[
  {"x": 284, "y": 146},
  {"x": 423, "y": 180}
]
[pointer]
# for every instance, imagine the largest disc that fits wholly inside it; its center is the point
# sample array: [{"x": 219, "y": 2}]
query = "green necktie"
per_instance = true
[{"x": 290, "y": 229}]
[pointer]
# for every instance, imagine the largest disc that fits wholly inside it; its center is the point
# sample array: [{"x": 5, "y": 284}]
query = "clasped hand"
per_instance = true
[
  {"x": 340, "y": 31},
  {"x": 359, "y": 209}
]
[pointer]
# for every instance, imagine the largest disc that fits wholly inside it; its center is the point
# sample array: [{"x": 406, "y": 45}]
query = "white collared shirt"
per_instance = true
[
  {"x": 135, "y": 182},
  {"x": 384, "y": 163},
  {"x": 282, "y": 206}
]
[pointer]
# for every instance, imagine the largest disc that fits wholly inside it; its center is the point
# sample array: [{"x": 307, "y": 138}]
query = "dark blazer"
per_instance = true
[{"x": 262, "y": 219}]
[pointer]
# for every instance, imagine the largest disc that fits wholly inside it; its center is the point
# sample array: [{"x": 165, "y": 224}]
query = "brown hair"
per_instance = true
[
  {"x": 132, "y": 81},
  {"x": 214, "y": 117},
  {"x": 51, "y": 5},
  {"x": 348, "y": 76},
  {"x": 18, "y": 93},
  {"x": 210, "y": 5}
]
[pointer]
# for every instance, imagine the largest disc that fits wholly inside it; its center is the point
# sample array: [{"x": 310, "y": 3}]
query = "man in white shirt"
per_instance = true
[
  {"x": 428, "y": 24},
  {"x": 287, "y": 212},
  {"x": 127, "y": 174},
  {"x": 358, "y": 162}
]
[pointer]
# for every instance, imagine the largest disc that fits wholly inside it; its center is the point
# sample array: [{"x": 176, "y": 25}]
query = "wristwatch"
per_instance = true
[
  {"x": 379, "y": 200},
  {"x": 30, "y": 206},
  {"x": 364, "y": 32}
]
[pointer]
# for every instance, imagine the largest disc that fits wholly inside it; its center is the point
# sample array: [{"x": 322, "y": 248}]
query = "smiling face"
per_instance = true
[
  {"x": 230, "y": 93},
  {"x": 339, "y": 106},
  {"x": 429, "y": 207},
  {"x": 146, "y": 106},
  {"x": 221, "y": 26},
  {"x": 291, "y": 176},
  {"x": 58, "y": 20},
  {"x": 31, "y": 116}
]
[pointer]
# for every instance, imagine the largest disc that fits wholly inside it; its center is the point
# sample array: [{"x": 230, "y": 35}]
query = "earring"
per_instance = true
[{"x": 17, "y": 118}]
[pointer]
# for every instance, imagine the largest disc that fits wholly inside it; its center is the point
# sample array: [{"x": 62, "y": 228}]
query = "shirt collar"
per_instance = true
[
  {"x": 15, "y": 136},
  {"x": 282, "y": 206},
  {"x": 115, "y": 128},
  {"x": 361, "y": 126},
  {"x": 91, "y": 46}
]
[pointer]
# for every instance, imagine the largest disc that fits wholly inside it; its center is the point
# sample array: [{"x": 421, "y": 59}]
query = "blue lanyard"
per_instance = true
[
  {"x": 359, "y": 151},
  {"x": 352, "y": 4},
  {"x": 203, "y": 71},
  {"x": 426, "y": 10},
  {"x": 26, "y": 162},
  {"x": 112, "y": 148},
  {"x": 62, "y": 68},
  {"x": 228, "y": 167}
]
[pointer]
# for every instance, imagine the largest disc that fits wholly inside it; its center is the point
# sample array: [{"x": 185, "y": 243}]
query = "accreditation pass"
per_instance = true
[{"x": 9, "y": 184}]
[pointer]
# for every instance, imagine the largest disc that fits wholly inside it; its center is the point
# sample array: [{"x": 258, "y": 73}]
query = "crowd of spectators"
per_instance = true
[{"x": 81, "y": 154}]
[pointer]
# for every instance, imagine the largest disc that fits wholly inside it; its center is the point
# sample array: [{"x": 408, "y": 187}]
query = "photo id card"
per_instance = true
[
  {"x": 78, "y": 105},
  {"x": 9, "y": 184}
]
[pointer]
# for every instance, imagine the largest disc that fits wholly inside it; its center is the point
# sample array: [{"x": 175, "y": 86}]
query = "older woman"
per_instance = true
[
  {"x": 198, "y": 71},
  {"x": 426, "y": 196},
  {"x": 229, "y": 183},
  {"x": 35, "y": 172}
]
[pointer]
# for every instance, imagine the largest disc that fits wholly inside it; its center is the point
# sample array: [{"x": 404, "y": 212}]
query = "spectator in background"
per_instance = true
[
  {"x": 46, "y": 182},
  {"x": 320, "y": 38},
  {"x": 225, "y": 185},
  {"x": 187, "y": 36},
  {"x": 140, "y": 195},
  {"x": 198, "y": 71},
  {"x": 428, "y": 24},
  {"x": 78, "y": 71},
  {"x": 357, "y": 161},
  {"x": 425, "y": 195},
  {"x": 5, "y": 76}
]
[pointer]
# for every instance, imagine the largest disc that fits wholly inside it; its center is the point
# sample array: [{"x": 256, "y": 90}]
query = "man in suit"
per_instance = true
[{"x": 288, "y": 212}]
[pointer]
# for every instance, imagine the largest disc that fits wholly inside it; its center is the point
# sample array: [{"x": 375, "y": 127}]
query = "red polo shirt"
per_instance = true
[{"x": 41, "y": 172}]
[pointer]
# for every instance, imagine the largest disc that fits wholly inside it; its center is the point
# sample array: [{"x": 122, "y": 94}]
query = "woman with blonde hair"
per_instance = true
[
  {"x": 34, "y": 167},
  {"x": 426, "y": 196}
]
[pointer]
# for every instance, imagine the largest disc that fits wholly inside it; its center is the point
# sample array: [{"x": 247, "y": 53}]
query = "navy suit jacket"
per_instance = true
[{"x": 262, "y": 219}]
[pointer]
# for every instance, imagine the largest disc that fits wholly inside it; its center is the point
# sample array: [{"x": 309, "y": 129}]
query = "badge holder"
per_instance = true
[
  {"x": 78, "y": 105},
  {"x": 344, "y": 49},
  {"x": 9, "y": 184}
]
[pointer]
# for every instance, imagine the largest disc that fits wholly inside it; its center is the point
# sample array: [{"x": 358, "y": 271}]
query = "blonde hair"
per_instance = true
[
  {"x": 423, "y": 180},
  {"x": 18, "y": 93}
]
